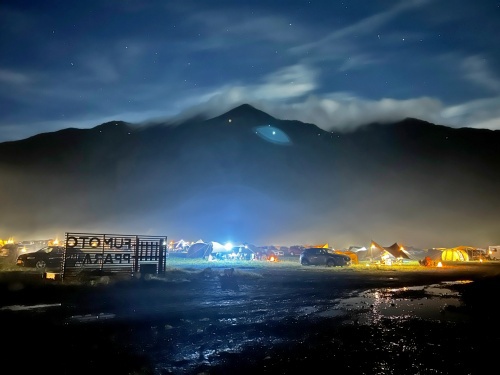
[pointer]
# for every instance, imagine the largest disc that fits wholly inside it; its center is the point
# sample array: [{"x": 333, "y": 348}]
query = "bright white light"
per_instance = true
[
  {"x": 272, "y": 134},
  {"x": 228, "y": 246}
]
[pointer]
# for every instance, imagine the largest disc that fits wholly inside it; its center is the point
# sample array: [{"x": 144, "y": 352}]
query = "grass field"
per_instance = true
[{"x": 288, "y": 262}]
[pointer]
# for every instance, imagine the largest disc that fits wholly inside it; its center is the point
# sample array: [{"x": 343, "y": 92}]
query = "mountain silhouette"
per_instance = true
[{"x": 246, "y": 176}]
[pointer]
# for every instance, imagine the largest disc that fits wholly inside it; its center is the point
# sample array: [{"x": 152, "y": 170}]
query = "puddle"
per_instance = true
[
  {"x": 29, "y": 307},
  {"x": 429, "y": 302},
  {"x": 91, "y": 317}
]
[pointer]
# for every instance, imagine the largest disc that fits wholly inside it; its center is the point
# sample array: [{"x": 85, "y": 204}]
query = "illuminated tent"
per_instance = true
[
  {"x": 180, "y": 245},
  {"x": 357, "y": 248},
  {"x": 218, "y": 248},
  {"x": 199, "y": 250},
  {"x": 474, "y": 253},
  {"x": 375, "y": 251},
  {"x": 396, "y": 250},
  {"x": 252, "y": 247},
  {"x": 361, "y": 252},
  {"x": 455, "y": 254},
  {"x": 322, "y": 246}
]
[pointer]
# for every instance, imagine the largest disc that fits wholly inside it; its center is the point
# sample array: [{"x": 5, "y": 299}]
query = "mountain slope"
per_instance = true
[{"x": 246, "y": 176}]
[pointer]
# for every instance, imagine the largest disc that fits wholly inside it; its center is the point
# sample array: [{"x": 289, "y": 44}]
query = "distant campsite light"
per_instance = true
[
  {"x": 228, "y": 246},
  {"x": 229, "y": 120},
  {"x": 386, "y": 259},
  {"x": 439, "y": 264}
]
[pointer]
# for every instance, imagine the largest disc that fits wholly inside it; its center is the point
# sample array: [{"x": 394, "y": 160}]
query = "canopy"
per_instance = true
[{"x": 396, "y": 250}]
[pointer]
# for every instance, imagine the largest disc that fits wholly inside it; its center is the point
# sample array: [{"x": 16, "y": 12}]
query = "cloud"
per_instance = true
[
  {"x": 476, "y": 70},
  {"x": 347, "y": 113},
  {"x": 365, "y": 26},
  {"x": 288, "y": 94},
  {"x": 481, "y": 114},
  {"x": 287, "y": 83},
  {"x": 13, "y": 78}
]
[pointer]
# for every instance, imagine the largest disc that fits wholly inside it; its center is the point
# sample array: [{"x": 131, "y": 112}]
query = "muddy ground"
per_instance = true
[{"x": 257, "y": 321}]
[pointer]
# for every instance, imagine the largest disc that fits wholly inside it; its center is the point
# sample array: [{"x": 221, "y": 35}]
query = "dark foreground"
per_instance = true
[{"x": 259, "y": 321}]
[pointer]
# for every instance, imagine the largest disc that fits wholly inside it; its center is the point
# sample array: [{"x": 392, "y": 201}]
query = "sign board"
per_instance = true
[{"x": 113, "y": 253}]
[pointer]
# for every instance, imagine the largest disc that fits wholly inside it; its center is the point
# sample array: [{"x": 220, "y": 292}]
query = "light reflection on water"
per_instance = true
[
  {"x": 429, "y": 302},
  {"x": 30, "y": 307}
]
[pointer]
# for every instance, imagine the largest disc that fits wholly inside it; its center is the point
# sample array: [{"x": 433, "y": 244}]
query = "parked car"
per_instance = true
[
  {"x": 323, "y": 257},
  {"x": 295, "y": 250},
  {"x": 47, "y": 257},
  {"x": 275, "y": 252}
]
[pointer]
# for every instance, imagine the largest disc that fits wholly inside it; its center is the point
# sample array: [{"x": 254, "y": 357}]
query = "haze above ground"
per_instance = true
[{"x": 335, "y": 64}]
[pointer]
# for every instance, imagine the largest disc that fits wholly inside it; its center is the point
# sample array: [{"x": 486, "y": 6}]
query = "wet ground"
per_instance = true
[{"x": 274, "y": 321}]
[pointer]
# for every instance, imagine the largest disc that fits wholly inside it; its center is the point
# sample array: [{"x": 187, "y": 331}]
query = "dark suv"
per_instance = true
[
  {"x": 50, "y": 257},
  {"x": 323, "y": 257}
]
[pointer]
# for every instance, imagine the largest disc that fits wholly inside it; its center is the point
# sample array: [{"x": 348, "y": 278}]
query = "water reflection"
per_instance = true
[{"x": 429, "y": 302}]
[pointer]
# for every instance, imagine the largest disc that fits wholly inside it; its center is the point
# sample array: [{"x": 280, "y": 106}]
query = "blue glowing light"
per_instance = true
[{"x": 272, "y": 134}]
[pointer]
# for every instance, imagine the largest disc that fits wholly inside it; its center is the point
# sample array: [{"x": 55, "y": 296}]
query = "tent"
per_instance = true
[
  {"x": 375, "y": 251},
  {"x": 396, "y": 250},
  {"x": 362, "y": 253},
  {"x": 435, "y": 253},
  {"x": 455, "y": 254},
  {"x": 202, "y": 250},
  {"x": 322, "y": 246},
  {"x": 474, "y": 253},
  {"x": 215, "y": 250},
  {"x": 180, "y": 245},
  {"x": 199, "y": 250},
  {"x": 350, "y": 254},
  {"x": 357, "y": 248}
]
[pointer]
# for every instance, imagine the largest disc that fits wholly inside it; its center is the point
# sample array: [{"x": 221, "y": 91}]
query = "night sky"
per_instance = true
[{"x": 337, "y": 64}]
